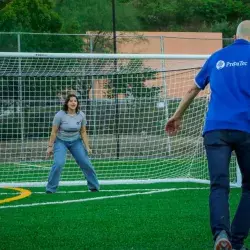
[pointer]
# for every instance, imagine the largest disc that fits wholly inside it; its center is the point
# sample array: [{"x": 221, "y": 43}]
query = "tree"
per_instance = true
[
  {"x": 165, "y": 15},
  {"x": 227, "y": 14},
  {"x": 30, "y": 16},
  {"x": 96, "y": 17},
  {"x": 192, "y": 15},
  {"x": 3, "y": 3},
  {"x": 35, "y": 16}
]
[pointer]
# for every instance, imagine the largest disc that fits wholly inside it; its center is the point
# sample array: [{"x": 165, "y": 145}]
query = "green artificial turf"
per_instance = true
[{"x": 152, "y": 216}]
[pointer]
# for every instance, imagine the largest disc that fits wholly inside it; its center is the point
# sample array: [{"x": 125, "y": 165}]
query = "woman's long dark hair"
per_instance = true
[{"x": 65, "y": 105}]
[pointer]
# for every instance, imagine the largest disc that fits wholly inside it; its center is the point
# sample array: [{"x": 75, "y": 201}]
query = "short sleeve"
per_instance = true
[
  {"x": 57, "y": 119},
  {"x": 84, "y": 120},
  {"x": 203, "y": 77}
]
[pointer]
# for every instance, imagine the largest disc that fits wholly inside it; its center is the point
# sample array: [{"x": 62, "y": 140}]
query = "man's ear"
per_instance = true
[{"x": 234, "y": 37}]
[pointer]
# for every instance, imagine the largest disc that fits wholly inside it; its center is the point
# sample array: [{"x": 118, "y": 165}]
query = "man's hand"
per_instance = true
[{"x": 173, "y": 125}]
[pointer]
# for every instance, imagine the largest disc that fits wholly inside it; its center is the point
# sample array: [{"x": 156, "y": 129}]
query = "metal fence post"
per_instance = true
[
  {"x": 20, "y": 95},
  {"x": 93, "y": 101}
]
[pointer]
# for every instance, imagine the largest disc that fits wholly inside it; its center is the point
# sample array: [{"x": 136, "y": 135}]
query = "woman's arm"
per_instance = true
[
  {"x": 52, "y": 139},
  {"x": 53, "y": 135},
  {"x": 85, "y": 138}
]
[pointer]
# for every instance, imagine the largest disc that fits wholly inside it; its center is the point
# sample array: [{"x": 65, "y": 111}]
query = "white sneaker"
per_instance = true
[{"x": 222, "y": 242}]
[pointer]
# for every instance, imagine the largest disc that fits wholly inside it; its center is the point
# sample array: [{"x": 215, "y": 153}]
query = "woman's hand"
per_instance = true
[
  {"x": 49, "y": 151},
  {"x": 89, "y": 150}
]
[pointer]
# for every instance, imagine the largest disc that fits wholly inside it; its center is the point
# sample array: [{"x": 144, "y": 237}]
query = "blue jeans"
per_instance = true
[
  {"x": 80, "y": 154},
  {"x": 219, "y": 145}
]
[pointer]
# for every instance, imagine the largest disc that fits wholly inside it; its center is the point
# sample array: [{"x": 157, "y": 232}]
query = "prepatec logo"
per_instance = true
[{"x": 221, "y": 64}]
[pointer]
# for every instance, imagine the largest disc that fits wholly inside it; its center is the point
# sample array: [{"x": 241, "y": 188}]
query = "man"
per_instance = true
[{"x": 227, "y": 129}]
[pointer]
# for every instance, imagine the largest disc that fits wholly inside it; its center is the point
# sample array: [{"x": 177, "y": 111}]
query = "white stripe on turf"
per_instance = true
[{"x": 98, "y": 198}]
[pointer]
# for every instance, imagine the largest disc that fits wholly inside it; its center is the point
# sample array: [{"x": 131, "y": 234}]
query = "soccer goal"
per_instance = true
[{"x": 127, "y": 99}]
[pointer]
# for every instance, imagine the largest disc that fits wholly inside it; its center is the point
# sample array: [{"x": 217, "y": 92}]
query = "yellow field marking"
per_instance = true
[{"x": 23, "y": 194}]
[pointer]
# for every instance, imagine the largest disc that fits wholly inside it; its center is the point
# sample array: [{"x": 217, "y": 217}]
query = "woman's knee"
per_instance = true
[
  {"x": 86, "y": 165},
  {"x": 58, "y": 165}
]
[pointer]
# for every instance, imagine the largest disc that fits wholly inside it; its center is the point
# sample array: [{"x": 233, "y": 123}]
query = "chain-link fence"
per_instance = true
[{"x": 103, "y": 43}]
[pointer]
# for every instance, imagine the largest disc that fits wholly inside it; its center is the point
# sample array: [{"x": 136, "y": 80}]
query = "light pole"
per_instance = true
[
  {"x": 115, "y": 82},
  {"x": 114, "y": 25}
]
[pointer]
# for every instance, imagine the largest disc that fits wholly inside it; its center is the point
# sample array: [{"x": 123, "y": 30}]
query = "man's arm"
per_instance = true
[
  {"x": 174, "y": 123},
  {"x": 201, "y": 80},
  {"x": 186, "y": 101}
]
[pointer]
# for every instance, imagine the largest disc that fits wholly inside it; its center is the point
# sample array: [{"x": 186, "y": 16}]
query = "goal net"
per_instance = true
[{"x": 127, "y": 100}]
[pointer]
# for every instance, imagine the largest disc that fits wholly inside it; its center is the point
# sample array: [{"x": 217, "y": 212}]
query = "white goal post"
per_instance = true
[{"x": 127, "y": 99}]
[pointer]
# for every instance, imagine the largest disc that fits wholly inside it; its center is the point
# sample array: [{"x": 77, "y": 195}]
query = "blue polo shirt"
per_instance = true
[{"x": 228, "y": 73}]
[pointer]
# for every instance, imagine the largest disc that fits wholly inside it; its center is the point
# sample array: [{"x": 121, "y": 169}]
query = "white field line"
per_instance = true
[
  {"x": 98, "y": 198},
  {"x": 86, "y": 191}
]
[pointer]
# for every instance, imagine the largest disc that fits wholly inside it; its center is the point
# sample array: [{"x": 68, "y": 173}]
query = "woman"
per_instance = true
[{"x": 68, "y": 131}]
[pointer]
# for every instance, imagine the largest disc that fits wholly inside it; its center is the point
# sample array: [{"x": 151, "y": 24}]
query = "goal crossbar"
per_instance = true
[{"x": 104, "y": 56}]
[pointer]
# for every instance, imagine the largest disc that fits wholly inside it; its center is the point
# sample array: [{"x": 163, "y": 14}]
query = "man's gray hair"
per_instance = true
[{"x": 243, "y": 29}]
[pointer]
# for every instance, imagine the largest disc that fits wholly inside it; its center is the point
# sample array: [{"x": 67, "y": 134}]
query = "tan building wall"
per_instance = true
[
  {"x": 173, "y": 42},
  {"x": 176, "y": 81}
]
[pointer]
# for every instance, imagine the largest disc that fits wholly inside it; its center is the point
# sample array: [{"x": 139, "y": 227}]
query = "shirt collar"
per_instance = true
[{"x": 241, "y": 41}]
